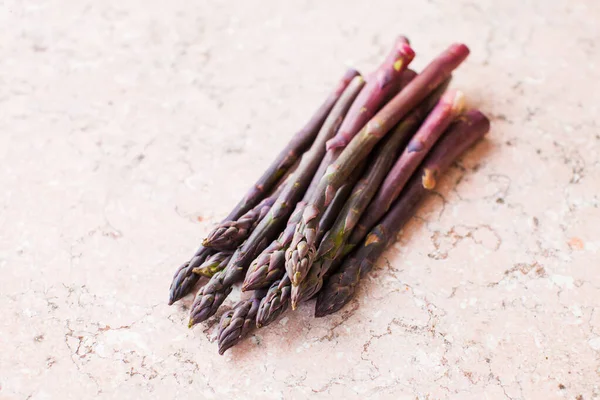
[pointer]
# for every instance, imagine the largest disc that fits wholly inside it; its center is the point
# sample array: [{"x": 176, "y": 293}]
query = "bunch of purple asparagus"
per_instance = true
[{"x": 335, "y": 197}]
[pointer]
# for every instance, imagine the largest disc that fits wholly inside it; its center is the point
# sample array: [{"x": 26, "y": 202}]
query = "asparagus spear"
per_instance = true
[
  {"x": 211, "y": 296},
  {"x": 238, "y": 322},
  {"x": 184, "y": 279},
  {"x": 278, "y": 298},
  {"x": 302, "y": 251},
  {"x": 382, "y": 82},
  {"x": 275, "y": 302},
  {"x": 386, "y": 83},
  {"x": 448, "y": 108},
  {"x": 334, "y": 208},
  {"x": 332, "y": 245},
  {"x": 294, "y": 149},
  {"x": 270, "y": 263},
  {"x": 407, "y": 76},
  {"x": 213, "y": 264},
  {"x": 341, "y": 286},
  {"x": 380, "y": 93},
  {"x": 229, "y": 235},
  {"x": 269, "y": 266}
]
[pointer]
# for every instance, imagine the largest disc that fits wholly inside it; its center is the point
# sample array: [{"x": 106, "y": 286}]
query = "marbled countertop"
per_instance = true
[{"x": 128, "y": 128}]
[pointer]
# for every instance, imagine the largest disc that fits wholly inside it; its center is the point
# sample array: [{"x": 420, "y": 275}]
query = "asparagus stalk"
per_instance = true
[
  {"x": 294, "y": 149},
  {"x": 213, "y": 264},
  {"x": 407, "y": 76},
  {"x": 332, "y": 245},
  {"x": 212, "y": 295},
  {"x": 340, "y": 287},
  {"x": 184, "y": 279},
  {"x": 228, "y": 235},
  {"x": 269, "y": 266},
  {"x": 367, "y": 107},
  {"x": 275, "y": 302},
  {"x": 383, "y": 84},
  {"x": 377, "y": 91},
  {"x": 380, "y": 85},
  {"x": 238, "y": 322},
  {"x": 302, "y": 251},
  {"x": 333, "y": 210},
  {"x": 449, "y": 107},
  {"x": 279, "y": 295}
]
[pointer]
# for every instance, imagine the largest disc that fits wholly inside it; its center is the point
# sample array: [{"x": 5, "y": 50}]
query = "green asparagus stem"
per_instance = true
[
  {"x": 229, "y": 235},
  {"x": 294, "y": 149},
  {"x": 302, "y": 251},
  {"x": 274, "y": 303},
  {"x": 340, "y": 287},
  {"x": 184, "y": 279},
  {"x": 235, "y": 324},
  {"x": 449, "y": 107},
  {"x": 211, "y": 296},
  {"x": 332, "y": 245},
  {"x": 213, "y": 264}
]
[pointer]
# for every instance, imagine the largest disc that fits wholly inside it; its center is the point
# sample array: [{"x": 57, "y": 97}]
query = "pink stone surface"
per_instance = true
[{"x": 128, "y": 128}]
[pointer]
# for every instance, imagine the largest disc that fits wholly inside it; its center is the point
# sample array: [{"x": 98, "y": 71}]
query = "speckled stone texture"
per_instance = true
[{"x": 128, "y": 128}]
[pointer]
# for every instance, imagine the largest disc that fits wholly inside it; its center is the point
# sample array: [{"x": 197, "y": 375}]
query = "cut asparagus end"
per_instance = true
[
  {"x": 429, "y": 179},
  {"x": 405, "y": 55},
  {"x": 455, "y": 99}
]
